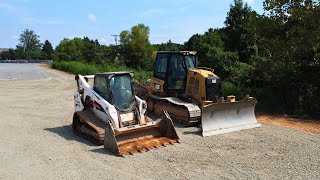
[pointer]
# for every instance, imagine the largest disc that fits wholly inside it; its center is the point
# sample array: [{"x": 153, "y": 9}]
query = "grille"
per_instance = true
[{"x": 213, "y": 89}]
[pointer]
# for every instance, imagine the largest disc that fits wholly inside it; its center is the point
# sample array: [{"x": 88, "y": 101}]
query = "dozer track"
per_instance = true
[
  {"x": 86, "y": 125},
  {"x": 183, "y": 112}
]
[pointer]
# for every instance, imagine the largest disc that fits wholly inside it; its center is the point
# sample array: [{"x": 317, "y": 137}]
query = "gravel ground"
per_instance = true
[{"x": 37, "y": 143}]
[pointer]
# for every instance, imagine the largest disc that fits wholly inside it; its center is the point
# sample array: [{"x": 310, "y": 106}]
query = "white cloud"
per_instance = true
[
  {"x": 250, "y": 2},
  {"x": 92, "y": 17}
]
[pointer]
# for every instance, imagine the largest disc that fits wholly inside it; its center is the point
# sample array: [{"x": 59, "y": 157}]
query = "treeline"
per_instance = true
[
  {"x": 274, "y": 56},
  {"x": 134, "y": 50},
  {"x": 29, "y": 47}
]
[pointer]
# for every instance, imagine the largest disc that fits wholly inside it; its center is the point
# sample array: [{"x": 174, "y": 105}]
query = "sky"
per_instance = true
[{"x": 175, "y": 20}]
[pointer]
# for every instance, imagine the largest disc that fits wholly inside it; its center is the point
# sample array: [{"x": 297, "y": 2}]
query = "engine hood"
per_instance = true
[{"x": 203, "y": 72}]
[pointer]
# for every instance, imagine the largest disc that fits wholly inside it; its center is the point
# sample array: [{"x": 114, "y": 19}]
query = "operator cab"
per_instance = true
[
  {"x": 116, "y": 88},
  {"x": 172, "y": 67}
]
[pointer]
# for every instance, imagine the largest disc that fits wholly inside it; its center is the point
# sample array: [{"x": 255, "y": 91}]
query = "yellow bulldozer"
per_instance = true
[{"x": 192, "y": 95}]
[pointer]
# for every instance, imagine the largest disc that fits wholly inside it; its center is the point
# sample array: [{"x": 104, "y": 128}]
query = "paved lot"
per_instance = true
[
  {"x": 37, "y": 142},
  {"x": 16, "y": 71}
]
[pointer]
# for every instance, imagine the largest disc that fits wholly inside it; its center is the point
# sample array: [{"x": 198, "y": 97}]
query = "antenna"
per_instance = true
[{"x": 115, "y": 38}]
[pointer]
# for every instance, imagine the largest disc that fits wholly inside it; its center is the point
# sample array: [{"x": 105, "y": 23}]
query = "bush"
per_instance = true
[
  {"x": 76, "y": 67},
  {"x": 229, "y": 88}
]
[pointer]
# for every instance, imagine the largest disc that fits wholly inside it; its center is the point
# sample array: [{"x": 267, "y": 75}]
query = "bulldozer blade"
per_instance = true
[
  {"x": 139, "y": 138},
  {"x": 219, "y": 118}
]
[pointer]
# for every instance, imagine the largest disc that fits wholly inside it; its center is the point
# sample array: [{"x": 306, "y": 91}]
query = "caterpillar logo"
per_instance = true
[{"x": 157, "y": 86}]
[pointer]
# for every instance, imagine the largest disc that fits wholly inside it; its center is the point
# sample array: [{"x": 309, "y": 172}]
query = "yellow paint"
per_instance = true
[
  {"x": 199, "y": 75},
  {"x": 195, "y": 86},
  {"x": 156, "y": 86}
]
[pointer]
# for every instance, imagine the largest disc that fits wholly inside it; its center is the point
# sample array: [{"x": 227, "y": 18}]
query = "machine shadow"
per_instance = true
[
  {"x": 185, "y": 129},
  {"x": 103, "y": 151},
  {"x": 192, "y": 129},
  {"x": 67, "y": 133}
]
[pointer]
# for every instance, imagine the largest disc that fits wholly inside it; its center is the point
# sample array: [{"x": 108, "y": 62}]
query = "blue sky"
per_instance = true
[{"x": 98, "y": 19}]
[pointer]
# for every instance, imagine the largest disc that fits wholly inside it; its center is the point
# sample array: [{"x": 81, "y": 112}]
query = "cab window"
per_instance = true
[
  {"x": 190, "y": 62},
  {"x": 177, "y": 73},
  {"x": 100, "y": 87},
  {"x": 122, "y": 93},
  {"x": 161, "y": 66}
]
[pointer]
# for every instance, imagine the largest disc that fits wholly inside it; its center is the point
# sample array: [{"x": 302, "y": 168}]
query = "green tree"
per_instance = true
[
  {"x": 92, "y": 51},
  {"x": 168, "y": 46},
  {"x": 70, "y": 49},
  {"x": 111, "y": 53},
  {"x": 47, "y": 49},
  {"x": 289, "y": 46},
  {"x": 29, "y": 42},
  {"x": 240, "y": 30},
  {"x": 283, "y": 10},
  {"x": 211, "y": 52},
  {"x": 193, "y": 44},
  {"x": 10, "y": 55},
  {"x": 81, "y": 49},
  {"x": 136, "y": 48}
]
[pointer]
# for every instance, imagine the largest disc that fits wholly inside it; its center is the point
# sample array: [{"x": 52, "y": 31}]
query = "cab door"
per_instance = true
[
  {"x": 158, "y": 82},
  {"x": 177, "y": 73},
  {"x": 101, "y": 86}
]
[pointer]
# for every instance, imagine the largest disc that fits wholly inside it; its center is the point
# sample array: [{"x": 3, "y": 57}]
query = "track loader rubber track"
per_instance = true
[{"x": 86, "y": 125}]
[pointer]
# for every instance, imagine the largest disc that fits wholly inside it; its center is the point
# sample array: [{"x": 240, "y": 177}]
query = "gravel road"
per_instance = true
[{"x": 37, "y": 142}]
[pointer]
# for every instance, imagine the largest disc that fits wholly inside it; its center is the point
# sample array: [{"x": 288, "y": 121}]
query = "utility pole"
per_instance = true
[{"x": 115, "y": 38}]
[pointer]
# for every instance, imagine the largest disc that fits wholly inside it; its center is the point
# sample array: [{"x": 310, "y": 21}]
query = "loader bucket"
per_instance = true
[
  {"x": 138, "y": 138},
  {"x": 219, "y": 118}
]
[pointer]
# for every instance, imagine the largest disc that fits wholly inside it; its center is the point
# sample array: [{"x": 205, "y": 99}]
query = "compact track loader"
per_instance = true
[
  {"x": 192, "y": 95},
  {"x": 109, "y": 113}
]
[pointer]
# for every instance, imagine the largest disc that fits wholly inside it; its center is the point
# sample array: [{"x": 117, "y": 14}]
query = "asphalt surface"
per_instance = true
[{"x": 17, "y": 71}]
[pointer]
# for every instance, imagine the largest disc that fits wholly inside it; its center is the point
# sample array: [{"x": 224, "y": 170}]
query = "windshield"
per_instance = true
[
  {"x": 190, "y": 61},
  {"x": 122, "y": 92}
]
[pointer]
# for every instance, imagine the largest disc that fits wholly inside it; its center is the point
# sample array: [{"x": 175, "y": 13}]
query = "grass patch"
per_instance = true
[{"x": 76, "y": 67}]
